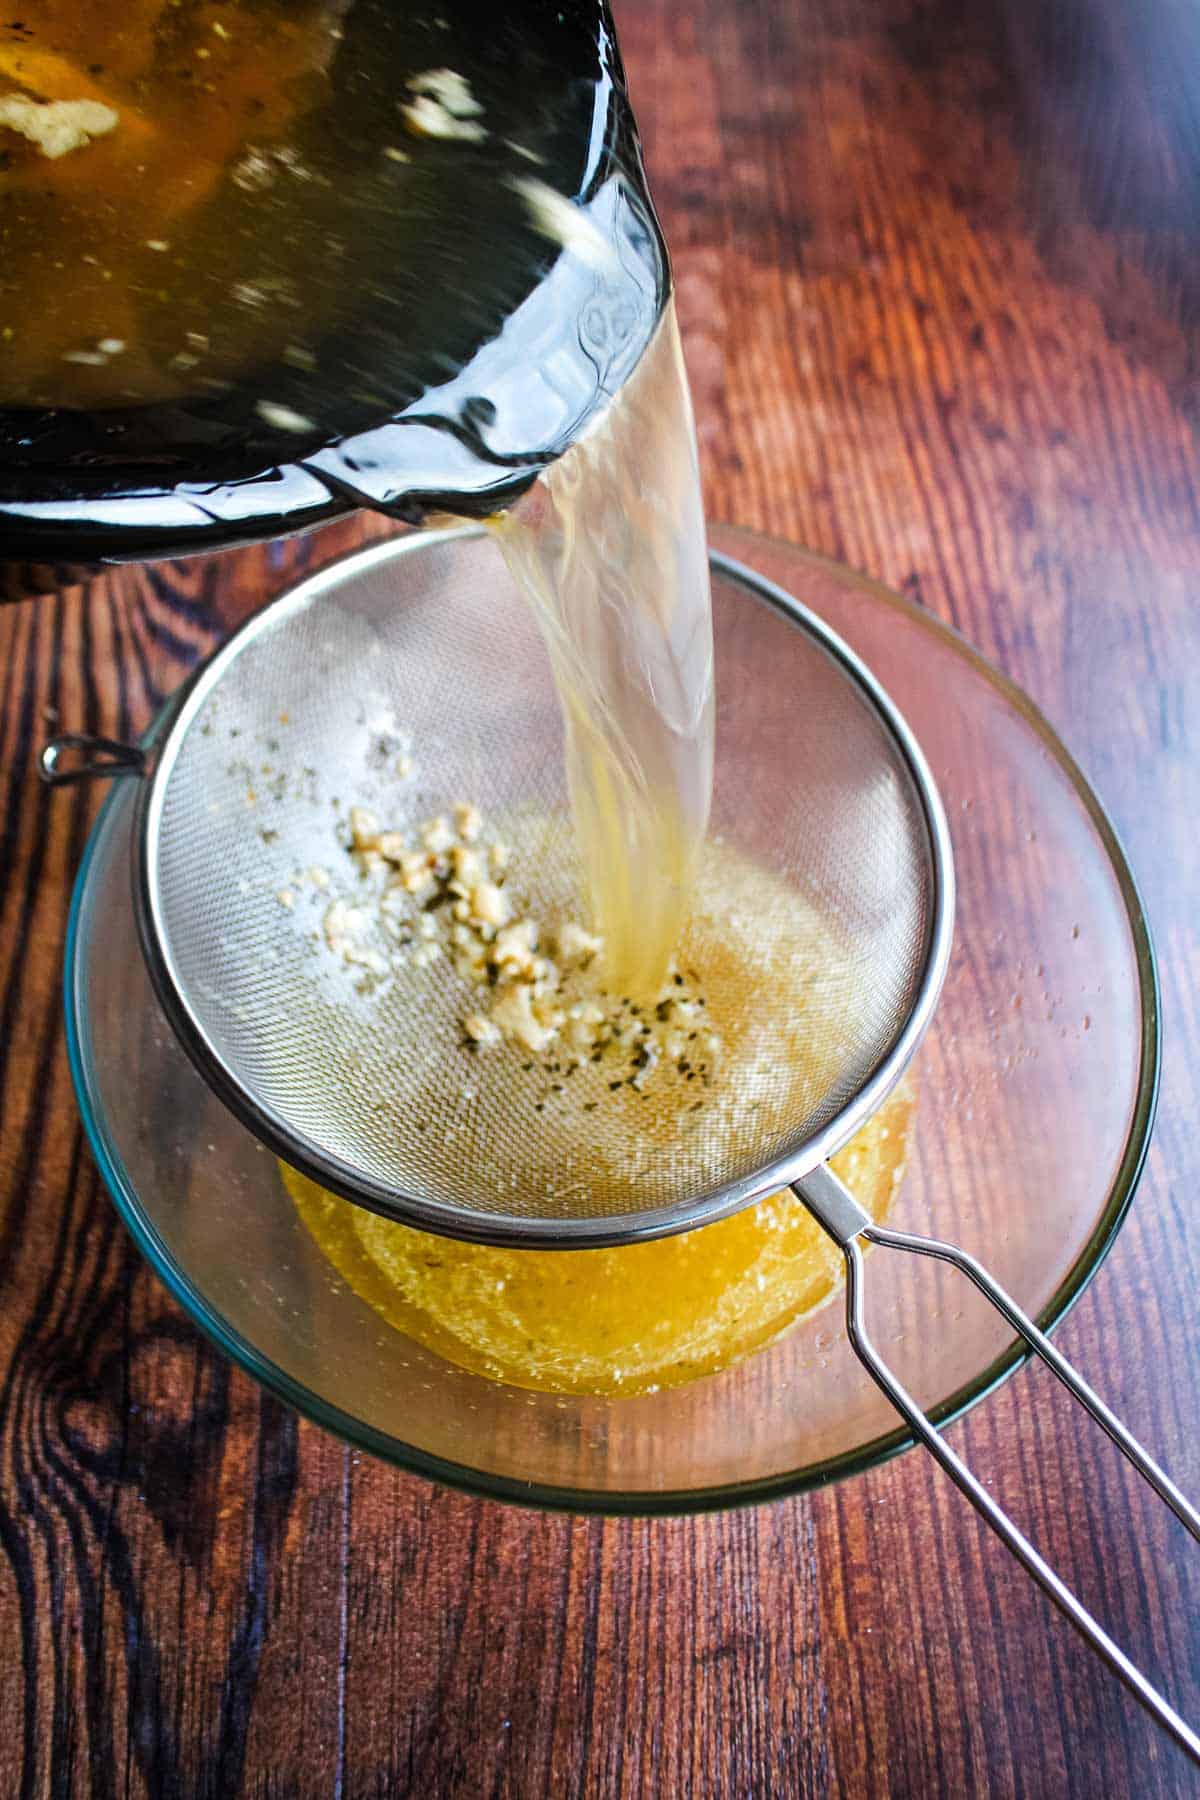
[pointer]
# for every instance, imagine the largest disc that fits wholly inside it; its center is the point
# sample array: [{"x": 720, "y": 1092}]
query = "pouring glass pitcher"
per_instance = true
[{"x": 267, "y": 262}]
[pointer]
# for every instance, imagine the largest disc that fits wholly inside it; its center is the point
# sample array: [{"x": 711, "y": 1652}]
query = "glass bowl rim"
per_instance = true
[{"x": 647, "y": 1502}]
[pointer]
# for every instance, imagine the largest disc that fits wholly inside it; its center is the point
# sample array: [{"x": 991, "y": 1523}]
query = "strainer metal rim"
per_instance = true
[{"x": 511, "y": 1230}]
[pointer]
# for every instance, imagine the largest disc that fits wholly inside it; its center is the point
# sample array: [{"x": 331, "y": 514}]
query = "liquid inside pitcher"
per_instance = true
[{"x": 290, "y": 257}]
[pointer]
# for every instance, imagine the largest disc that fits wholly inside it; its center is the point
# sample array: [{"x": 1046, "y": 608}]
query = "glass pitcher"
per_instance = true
[{"x": 311, "y": 256}]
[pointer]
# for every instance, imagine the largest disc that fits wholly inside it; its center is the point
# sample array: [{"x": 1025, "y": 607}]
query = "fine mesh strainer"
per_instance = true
[{"x": 420, "y": 652}]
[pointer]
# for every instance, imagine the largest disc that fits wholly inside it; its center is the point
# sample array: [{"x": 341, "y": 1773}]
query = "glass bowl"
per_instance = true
[{"x": 1037, "y": 1082}]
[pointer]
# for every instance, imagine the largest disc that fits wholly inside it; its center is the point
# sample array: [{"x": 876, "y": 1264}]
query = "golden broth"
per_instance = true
[
  {"x": 94, "y": 242},
  {"x": 623, "y": 1321}
]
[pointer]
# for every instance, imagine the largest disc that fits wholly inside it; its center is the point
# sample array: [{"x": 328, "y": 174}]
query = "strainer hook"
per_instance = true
[{"x": 101, "y": 759}]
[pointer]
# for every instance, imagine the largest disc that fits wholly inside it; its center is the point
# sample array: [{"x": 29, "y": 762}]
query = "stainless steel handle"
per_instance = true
[
  {"x": 101, "y": 759},
  {"x": 835, "y": 1208}
]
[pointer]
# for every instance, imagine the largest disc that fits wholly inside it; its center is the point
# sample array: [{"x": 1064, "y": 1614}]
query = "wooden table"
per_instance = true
[{"x": 939, "y": 278}]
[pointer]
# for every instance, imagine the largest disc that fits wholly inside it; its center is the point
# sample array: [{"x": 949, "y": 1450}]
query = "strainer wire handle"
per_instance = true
[
  {"x": 841, "y": 1216},
  {"x": 99, "y": 759}
]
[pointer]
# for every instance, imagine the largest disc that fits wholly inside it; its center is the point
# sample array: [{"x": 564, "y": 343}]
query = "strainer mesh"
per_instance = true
[{"x": 426, "y": 652}]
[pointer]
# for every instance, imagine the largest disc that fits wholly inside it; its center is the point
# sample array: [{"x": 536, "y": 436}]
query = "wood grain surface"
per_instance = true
[{"x": 938, "y": 266}]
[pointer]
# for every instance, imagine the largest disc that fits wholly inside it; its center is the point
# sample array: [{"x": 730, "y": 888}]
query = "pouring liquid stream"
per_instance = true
[{"x": 609, "y": 550}]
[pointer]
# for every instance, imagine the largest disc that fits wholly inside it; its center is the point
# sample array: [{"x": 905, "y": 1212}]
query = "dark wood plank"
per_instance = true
[{"x": 937, "y": 276}]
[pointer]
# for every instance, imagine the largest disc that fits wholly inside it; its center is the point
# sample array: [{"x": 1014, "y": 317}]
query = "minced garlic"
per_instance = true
[
  {"x": 468, "y": 821},
  {"x": 533, "y": 986},
  {"x": 57, "y": 126}
]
